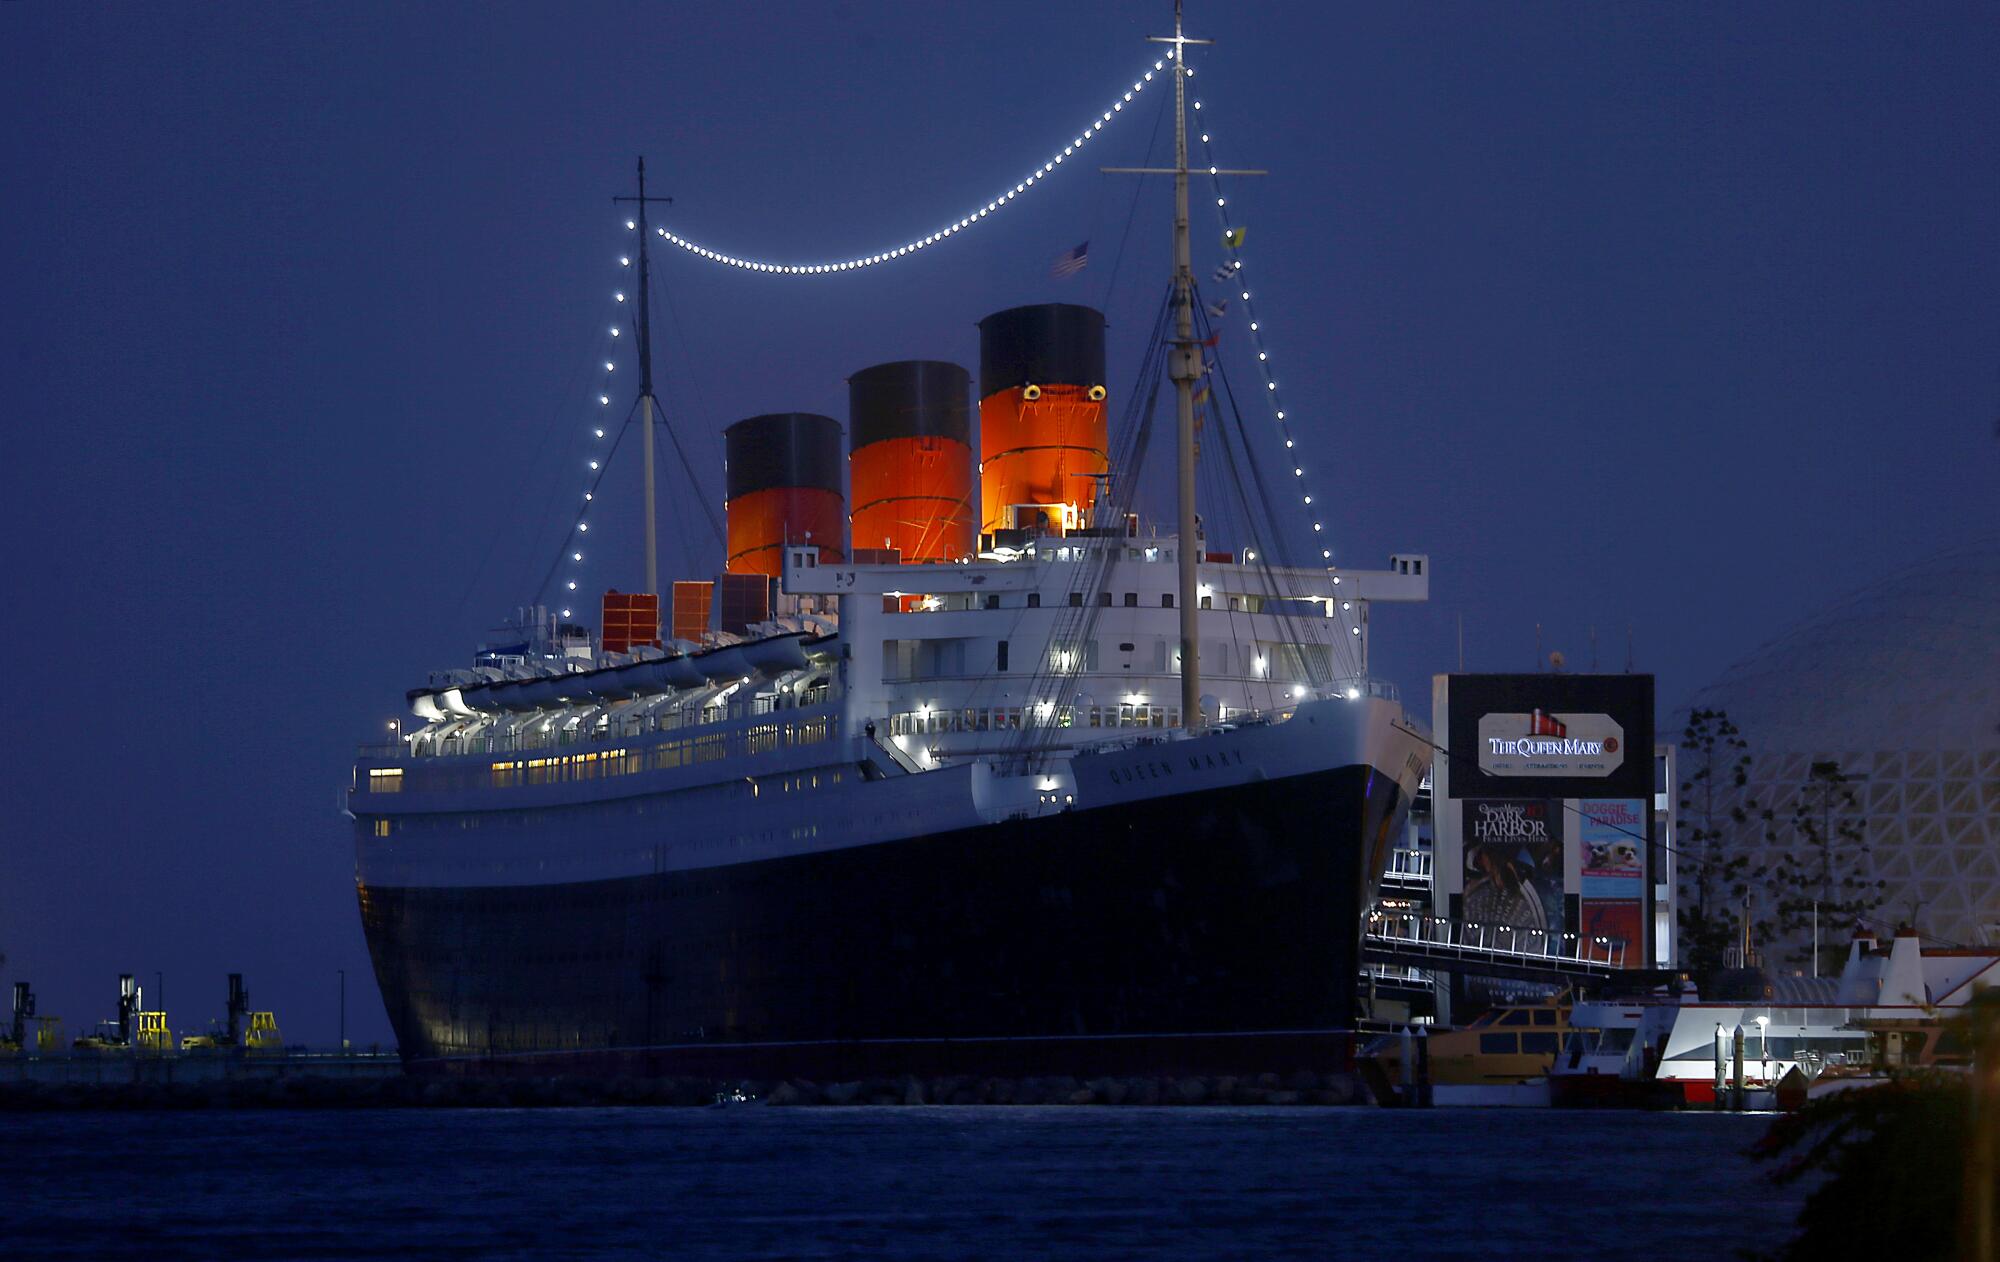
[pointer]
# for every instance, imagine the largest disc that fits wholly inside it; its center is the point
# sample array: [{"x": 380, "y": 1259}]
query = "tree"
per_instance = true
[
  {"x": 1822, "y": 848},
  {"x": 1903, "y": 1169},
  {"x": 1714, "y": 806}
]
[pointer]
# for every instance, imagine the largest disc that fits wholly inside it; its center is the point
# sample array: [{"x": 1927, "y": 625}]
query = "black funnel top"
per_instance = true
[
  {"x": 912, "y": 398},
  {"x": 782, "y": 449},
  {"x": 1054, "y": 343}
]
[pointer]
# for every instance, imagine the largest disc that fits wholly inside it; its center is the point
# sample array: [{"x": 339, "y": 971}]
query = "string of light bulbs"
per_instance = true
[
  {"x": 615, "y": 334},
  {"x": 572, "y": 558},
  {"x": 891, "y": 254},
  {"x": 1239, "y": 288},
  {"x": 1235, "y": 279},
  {"x": 613, "y": 341}
]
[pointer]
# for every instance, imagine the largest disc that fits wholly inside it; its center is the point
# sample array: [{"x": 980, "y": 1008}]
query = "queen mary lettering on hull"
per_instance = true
[{"x": 1003, "y": 782}]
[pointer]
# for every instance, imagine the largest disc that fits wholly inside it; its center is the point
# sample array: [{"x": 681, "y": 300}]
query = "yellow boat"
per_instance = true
[{"x": 1502, "y": 1057}]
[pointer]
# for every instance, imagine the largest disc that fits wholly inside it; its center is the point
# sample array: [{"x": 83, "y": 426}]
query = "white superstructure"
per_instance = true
[{"x": 940, "y": 697}]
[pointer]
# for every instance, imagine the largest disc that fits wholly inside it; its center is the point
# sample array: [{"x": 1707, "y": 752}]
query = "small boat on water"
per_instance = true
[
  {"x": 1501, "y": 1059},
  {"x": 1889, "y": 1013}
]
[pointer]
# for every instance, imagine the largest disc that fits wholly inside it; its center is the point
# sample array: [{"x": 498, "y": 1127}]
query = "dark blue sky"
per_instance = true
[{"x": 1682, "y": 317}]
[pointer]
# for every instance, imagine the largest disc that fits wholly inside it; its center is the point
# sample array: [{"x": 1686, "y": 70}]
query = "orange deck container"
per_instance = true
[
  {"x": 630, "y": 618},
  {"x": 692, "y": 602},
  {"x": 746, "y": 598}
]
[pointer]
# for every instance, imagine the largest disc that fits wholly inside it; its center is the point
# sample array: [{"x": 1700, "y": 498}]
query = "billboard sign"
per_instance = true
[
  {"x": 1544, "y": 744},
  {"x": 1514, "y": 864},
  {"x": 1550, "y": 736},
  {"x": 1613, "y": 835},
  {"x": 1614, "y": 848}
]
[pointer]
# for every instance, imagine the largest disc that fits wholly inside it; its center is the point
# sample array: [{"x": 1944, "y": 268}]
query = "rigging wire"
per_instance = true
[
  {"x": 580, "y": 524},
  {"x": 1231, "y": 272},
  {"x": 694, "y": 483},
  {"x": 1128, "y": 443},
  {"x": 1073, "y": 630},
  {"x": 1346, "y": 653},
  {"x": 1132, "y": 213},
  {"x": 559, "y": 415}
]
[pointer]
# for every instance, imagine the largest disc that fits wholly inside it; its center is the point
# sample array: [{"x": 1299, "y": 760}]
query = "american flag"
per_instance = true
[{"x": 1070, "y": 262}]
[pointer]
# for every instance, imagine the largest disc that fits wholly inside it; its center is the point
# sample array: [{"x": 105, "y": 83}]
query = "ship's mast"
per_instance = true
[
  {"x": 647, "y": 402},
  {"x": 1184, "y": 368}
]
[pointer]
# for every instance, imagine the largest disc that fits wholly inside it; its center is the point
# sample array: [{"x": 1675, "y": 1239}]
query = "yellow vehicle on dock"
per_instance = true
[
  {"x": 263, "y": 1036},
  {"x": 152, "y": 1034},
  {"x": 242, "y": 1028}
]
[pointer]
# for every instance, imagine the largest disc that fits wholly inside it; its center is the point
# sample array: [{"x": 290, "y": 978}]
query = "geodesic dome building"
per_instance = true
[{"x": 1900, "y": 684}]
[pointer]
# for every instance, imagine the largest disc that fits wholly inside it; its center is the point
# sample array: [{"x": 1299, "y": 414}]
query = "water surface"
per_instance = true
[{"x": 1101, "y": 1183}]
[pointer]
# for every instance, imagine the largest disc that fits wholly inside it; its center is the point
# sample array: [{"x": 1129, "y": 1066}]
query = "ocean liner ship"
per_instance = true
[{"x": 987, "y": 776}]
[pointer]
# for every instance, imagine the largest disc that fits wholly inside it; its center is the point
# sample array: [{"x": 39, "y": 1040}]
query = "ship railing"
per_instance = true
[
  {"x": 1355, "y": 687},
  {"x": 1438, "y": 937},
  {"x": 1408, "y": 866},
  {"x": 673, "y": 719},
  {"x": 1400, "y": 974}
]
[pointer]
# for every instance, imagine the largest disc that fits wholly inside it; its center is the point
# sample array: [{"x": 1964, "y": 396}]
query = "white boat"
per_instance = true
[{"x": 1887, "y": 1013}]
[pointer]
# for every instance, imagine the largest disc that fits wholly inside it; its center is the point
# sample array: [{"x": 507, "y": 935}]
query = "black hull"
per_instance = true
[{"x": 1211, "y": 930}]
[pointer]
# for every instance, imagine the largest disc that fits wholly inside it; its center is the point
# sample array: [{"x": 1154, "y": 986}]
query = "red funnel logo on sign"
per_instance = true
[{"x": 1540, "y": 724}]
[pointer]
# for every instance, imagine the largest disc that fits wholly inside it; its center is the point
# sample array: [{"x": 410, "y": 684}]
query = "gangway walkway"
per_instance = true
[{"x": 1419, "y": 940}]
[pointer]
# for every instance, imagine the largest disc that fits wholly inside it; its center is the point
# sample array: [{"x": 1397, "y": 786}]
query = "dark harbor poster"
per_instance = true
[
  {"x": 1514, "y": 863},
  {"x": 1513, "y": 877}
]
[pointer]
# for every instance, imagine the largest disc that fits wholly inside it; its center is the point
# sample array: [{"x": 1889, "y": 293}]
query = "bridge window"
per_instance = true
[
  {"x": 993, "y": 600},
  {"x": 1034, "y": 600},
  {"x": 1499, "y": 1044},
  {"x": 1539, "y": 1042},
  {"x": 1104, "y": 598},
  {"x": 1166, "y": 600},
  {"x": 1000, "y": 656},
  {"x": 1131, "y": 600},
  {"x": 1076, "y": 600}
]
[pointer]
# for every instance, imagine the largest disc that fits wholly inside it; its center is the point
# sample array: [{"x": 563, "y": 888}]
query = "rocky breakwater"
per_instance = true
[
  {"x": 1223, "y": 1089},
  {"x": 402, "y": 1092}
]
